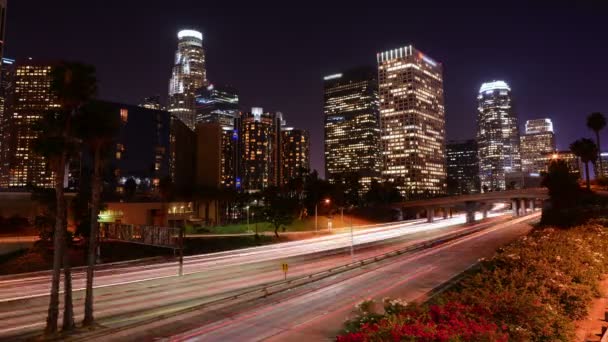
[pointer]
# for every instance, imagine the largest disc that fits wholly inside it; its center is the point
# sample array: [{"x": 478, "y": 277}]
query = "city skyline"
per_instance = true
[{"x": 240, "y": 57}]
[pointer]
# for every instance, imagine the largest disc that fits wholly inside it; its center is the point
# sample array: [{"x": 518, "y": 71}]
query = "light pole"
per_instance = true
[
  {"x": 247, "y": 207},
  {"x": 352, "y": 239},
  {"x": 316, "y": 219},
  {"x": 326, "y": 201}
]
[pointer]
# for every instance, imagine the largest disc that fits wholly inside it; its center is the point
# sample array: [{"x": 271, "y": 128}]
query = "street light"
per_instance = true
[
  {"x": 247, "y": 207},
  {"x": 326, "y": 201},
  {"x": 352, "y": 239}
]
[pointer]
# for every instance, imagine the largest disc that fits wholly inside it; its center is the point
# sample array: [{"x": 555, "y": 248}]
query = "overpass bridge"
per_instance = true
[{"x": 521, "y": 201}]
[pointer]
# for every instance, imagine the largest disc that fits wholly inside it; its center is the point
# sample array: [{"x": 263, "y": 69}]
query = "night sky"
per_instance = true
[{"x": 554, "y": 57}]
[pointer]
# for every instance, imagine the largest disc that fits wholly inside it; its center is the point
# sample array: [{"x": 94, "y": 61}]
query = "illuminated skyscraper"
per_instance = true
[
  {"x": 188, "y": 75},
  {"x": 295, "y": 149},
  {"x": 217, "y": 104},
  {"x": 30, "y": 97},
  {"x": 536, "y": 145},
  {"x": 352, "y": 127},
  {"x": 462, "y": 167},
  {"x": 412, "y": 119},
  {"x": 497, "y": 135},
  {"x": 259, "y": 140},
  {"x": 6, "y": 83},
  {"x": 152, "y": 102},
  {"x": 6, "y": 66}
]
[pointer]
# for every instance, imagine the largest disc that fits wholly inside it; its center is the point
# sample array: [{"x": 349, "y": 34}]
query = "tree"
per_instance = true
[
  {"x": 596, "y": 122},
  {"x": 280, "y": 211},
  {"x": 562, "y": 185},
  {"x": 72, "y": 85},
  {"x": 97, "y": 127},
  {"x": 383, "y": 193},
  {"x": 586, "y": 150}
]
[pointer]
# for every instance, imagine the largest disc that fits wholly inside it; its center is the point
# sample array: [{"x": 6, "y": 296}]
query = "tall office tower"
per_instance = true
[
  {"x": 463, "y": 167},
  {"x": 352, "y": 125},
  {"x": 412, "y": 118},
  {"x": 6, "y": 74},
  {"x": 536, "y": 144},
  {"x": 217, "y": 103},
  {"x": 295, "y": 154},
  {"x": 30, "y": 97},
  {"x": 259, "y": 144},
  {"x": 152, "y": 102},
  {"x": 188, "y": 75},
  {"x": 497, "y": 135}
]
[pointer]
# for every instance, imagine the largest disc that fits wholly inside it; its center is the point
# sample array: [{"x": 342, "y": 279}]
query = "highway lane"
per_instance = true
[
  {"x": 315, "y": 312},
  {"x": 38, "y": 283},
  {"x": 207, "y": 277}
]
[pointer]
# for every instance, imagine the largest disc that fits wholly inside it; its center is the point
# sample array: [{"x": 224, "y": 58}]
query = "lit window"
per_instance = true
[{"x": 124, "y": 115}]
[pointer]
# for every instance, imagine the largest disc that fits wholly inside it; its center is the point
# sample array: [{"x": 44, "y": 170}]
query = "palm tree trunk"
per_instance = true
[
  {"x": 68, "y": 307},
  {"x": 599, "y": 155},
  {"x": 95, "y": 195},
  {"x": 207, "y": 213},
  {"x": 587, "y": 175},
  {"x": 58, "y": 244}
]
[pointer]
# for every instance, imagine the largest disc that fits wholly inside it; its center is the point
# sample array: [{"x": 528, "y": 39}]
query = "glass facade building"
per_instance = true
[
  {"x": 216, "y": 103},
  {"x": 412, "y": 118},
  {"x": 536, "y": 145},
  {"x": 188, "y": 75},
  {"x": 152, "y": 102},
  {"x": 352, "y": 127},
  {"x": 463, "y": 167},
  {"x": 497, "y": 135}
]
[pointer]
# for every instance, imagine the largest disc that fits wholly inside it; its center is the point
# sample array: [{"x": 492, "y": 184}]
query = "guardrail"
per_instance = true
[{"x": 265, "y": 290}]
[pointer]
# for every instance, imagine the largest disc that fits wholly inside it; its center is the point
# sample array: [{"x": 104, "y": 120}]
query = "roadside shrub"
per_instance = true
[
  {"x": 452, "y": 321},
  {"x": 531, "y": 290}
]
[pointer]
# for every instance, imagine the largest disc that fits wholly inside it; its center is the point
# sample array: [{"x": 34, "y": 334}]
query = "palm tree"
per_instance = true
[
  {"x": 73, "y": 85},
  {"x": 586, "y": 150},
  {"x": 97, "y": 128},
  {"x": 596, "y": 122}
]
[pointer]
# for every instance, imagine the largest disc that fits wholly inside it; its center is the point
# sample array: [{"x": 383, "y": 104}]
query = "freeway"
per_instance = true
[
  {"x": 128, "y": 293},
  {"x": 316, "y": 312}
]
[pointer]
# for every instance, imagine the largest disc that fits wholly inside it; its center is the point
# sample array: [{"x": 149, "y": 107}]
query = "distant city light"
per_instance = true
[
  {"x": 189, "y": 33},
  {"x": 495, "y": 85},
  {"x": 331, "y": 77}
]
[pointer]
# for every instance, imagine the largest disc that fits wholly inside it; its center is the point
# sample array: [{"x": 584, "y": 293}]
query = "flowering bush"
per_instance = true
[
  {"x": 450, "y": 322},
  {"x": 531, "y": 290}
]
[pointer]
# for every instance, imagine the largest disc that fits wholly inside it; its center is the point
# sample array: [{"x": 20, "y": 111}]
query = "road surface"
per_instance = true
[
  {"x": 128, "y": 293},
  {"x": 9, "y": 244},
  {"x": 316, "y": 312}
]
